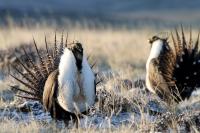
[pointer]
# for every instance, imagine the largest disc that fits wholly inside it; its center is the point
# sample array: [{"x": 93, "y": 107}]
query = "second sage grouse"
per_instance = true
[
  {"x": 173, "y": 71},
  {"x": 63, "y": 80}
]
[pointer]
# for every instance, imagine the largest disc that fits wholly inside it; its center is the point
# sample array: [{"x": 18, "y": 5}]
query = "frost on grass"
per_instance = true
[
  {"x": 119, "y": 103},
  {"x": 123, "y": 104}
]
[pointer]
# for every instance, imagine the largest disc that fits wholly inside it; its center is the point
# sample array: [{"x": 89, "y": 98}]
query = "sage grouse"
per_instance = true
[
  {"x": 173, "y": 71},
  {"x": 63, "y": 80}
]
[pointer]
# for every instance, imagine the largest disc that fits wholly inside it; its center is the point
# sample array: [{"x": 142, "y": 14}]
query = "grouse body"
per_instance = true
[{"x": 173, "y": 71}]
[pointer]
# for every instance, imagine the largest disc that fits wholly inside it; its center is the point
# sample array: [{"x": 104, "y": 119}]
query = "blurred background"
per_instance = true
[
  {"x": 114, "y": 32},
  {"x": 100, "y": 13}
]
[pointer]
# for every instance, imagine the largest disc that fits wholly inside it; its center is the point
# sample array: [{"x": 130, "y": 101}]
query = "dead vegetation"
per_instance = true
[{"x": 123, "y": 104}]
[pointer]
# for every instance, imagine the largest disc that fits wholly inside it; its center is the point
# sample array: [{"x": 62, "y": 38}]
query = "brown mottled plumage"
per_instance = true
[{"x": 173, "y": 72}]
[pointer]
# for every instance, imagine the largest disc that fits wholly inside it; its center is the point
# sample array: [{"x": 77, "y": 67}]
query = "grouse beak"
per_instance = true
[{"x": 150, "y": 41}]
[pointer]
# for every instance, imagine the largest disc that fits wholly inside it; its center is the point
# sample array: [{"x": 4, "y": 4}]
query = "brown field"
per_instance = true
[{"x": 120, "y": 51}]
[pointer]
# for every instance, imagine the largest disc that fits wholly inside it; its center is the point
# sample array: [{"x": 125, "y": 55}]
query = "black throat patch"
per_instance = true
[
  {"x": 77, "y": 50},
  {"x": 78, "y": 64}
]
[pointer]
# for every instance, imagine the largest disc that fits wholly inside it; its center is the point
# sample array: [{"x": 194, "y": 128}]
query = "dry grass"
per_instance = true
[
  {"x": 112, "y": 48},
  {"x": 122, "y": 52}
]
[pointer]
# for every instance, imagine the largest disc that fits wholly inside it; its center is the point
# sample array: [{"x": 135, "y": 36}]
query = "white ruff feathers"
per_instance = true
[
  {"x": 155, "y": 52},
  {"x": 71, "y": 96}
]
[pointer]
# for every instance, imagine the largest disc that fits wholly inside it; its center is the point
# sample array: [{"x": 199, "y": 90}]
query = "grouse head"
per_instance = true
[
  {"x": 156, "y": 38},
  {"x": 77, "y": 50}
]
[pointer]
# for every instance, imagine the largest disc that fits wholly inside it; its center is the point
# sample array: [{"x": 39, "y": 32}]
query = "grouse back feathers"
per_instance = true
[
  {"x": 57, "y": 77},
  {"x": 173, "y": 72}
]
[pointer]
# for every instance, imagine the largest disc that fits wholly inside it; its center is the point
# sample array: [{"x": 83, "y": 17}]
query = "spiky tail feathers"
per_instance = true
[
  {"x": 35, "y": 76},
  {"x": 41, "y": 78},
  {"x": 186, "y": 73},
  {"x": 180, "y": 66}
]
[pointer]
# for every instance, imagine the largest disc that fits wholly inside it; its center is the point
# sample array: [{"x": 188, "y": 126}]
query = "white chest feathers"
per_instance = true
[
  {"x": 76, "y": 91},
  {"x": 154, "y": 53}
]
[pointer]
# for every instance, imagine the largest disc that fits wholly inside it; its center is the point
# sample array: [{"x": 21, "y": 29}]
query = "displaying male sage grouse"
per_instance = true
[
  {"x": 63, "y": 81},
  {"x": 173, "y": 72}
]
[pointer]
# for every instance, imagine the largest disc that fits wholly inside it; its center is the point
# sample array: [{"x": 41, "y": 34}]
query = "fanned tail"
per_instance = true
[
  {"x": 34, "y": 77},
  {"x": 186, "y": 72}
]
